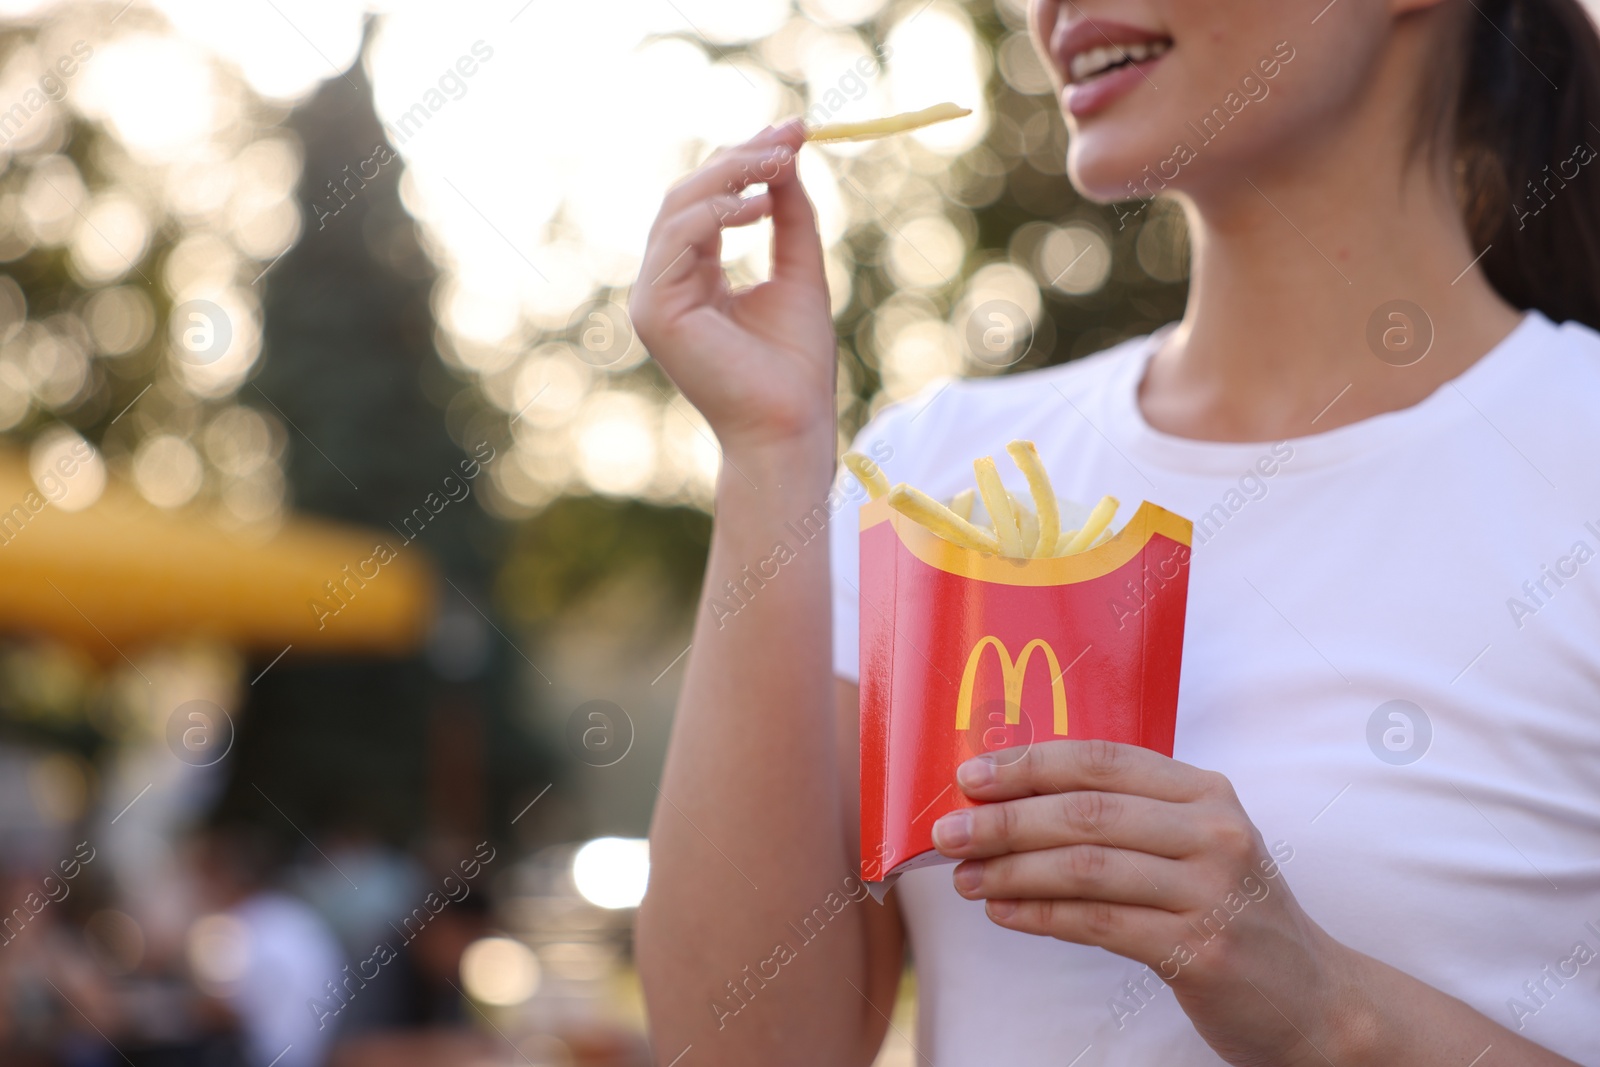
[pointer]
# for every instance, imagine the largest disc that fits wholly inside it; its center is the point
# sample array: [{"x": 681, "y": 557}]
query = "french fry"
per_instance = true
[
  {"x": 1026, "y": 456},
  {"x": 1093, "y": 526},
  {"x": 922, "y": 508},
  {"x": 868, "y": 473},
  {"x": 998, "y": 503},
  {"x": 886, "y": 127},
  {"x": 1014, "y": 530},
  {"x": 1027, "y": 525}
]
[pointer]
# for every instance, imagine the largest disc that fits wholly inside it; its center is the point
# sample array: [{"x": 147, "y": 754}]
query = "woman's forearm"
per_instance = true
[
  {"x": 749, "y": 832},
  {"x": 1389, "y": 1017}
]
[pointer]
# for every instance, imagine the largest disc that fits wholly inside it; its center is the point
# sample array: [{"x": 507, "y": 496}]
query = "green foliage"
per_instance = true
[{"x": 572, "y": 547}]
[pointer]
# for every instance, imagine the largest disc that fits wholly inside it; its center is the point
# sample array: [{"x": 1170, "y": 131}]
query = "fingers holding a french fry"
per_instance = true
[
  {"x": 757, "y": 363},
  {"x": 686, "y": 238}
]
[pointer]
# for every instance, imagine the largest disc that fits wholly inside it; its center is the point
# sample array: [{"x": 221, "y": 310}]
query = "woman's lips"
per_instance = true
[{"x": 1082, "y": 99}]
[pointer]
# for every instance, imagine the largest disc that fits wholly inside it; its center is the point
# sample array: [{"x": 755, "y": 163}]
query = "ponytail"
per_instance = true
[{"x": 1527, "y": 127}]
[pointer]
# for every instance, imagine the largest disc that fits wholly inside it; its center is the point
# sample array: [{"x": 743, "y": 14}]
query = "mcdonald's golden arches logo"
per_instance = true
[{"x": 1012, "y": 674}]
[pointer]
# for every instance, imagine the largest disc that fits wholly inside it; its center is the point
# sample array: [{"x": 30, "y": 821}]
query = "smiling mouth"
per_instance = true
[{"x": 1095, "y": 62}]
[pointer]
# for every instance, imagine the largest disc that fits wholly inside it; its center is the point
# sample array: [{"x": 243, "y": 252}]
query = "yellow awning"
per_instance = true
[{"x": 122, "y": 574}]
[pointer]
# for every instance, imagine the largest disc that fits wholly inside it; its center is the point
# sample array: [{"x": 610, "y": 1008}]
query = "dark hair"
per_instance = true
[{"x": 1527, "y": 130}]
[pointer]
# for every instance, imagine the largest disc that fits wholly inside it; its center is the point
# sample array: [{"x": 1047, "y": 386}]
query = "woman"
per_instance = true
[{"x": 1393, "y": 654}]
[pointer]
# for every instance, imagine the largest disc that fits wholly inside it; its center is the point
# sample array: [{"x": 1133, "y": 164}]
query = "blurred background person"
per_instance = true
[{"x": 266, "y": 955}]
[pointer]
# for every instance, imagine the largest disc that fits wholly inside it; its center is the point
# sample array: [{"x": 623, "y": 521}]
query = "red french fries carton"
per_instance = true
[{"x": 964, "y": 653}]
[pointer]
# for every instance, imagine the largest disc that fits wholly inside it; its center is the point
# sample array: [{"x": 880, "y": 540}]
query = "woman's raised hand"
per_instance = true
[{"x": 759, "y": 362}]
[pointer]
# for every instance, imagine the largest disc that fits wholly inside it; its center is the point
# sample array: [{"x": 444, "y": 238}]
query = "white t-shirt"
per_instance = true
[
  {"x": 289, "y": 957},
  {"x": 1455, "y": 836}
]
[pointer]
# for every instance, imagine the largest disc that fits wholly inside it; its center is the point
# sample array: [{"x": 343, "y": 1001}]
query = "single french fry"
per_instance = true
[
  {"x": 868, "y": 473},
  {"x": 873, "y": 129},
  {"x": 1026, "y": 456},
  {"x": 1027, "y": 525},
  {"x": 998, "y": 503},
  {"x": 1099, "y": 519},
  {"x": 919, "y": 506},
  {"x": 961, "y": 504}
]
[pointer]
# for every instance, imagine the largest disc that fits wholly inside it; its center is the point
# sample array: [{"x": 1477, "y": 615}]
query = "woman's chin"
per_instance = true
[{"x": 1103, "y": 172}]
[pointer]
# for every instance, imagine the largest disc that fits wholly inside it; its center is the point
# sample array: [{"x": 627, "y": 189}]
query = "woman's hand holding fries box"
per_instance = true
[{"x": 1097, "y": 616}]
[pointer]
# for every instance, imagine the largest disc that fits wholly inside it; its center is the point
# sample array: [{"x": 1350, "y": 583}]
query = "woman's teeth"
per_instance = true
[{"x": 1086, "y": 65}]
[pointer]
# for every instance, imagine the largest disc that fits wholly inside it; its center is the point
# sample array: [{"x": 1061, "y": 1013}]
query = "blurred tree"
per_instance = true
[
  {"x": 348, "y": 364},
  {"x": 56, "y": 368},
  {"x": 566, "y": 552}
]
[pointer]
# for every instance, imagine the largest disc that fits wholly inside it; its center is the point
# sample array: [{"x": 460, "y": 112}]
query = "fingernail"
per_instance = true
[
  {"x": 790, "y": 124},
  {"x": 968, "y": 875},
  {"x": 954, "y": 830},
  {"x": 1002, "y": 909},
  {"x": 975, "y": 772}
]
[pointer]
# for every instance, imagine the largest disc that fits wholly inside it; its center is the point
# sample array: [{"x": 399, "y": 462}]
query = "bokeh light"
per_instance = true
[
  {"x": 218, "y": 952},
  {"x": 612, "y": 872},
  {"x": 167, "y": 470},
  {"x": 116, "y": 941},
  {"x": 67, "y": 470},
  {"x": 499, "y": 971},
  {"x": 1074, "y": 259}
]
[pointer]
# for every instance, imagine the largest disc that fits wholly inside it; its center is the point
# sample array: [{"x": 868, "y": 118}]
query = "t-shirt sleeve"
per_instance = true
[{"x": 880, "y": 439}]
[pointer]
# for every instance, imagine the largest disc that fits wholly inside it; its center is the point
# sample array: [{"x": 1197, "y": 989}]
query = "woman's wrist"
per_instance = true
[
  {"x": 1351, "y": 1019},
  {"x": 801, "y": 458}
]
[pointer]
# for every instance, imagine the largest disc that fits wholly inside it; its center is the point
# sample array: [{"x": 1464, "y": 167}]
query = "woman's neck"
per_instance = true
[{"x": 1292, "y": 326}]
